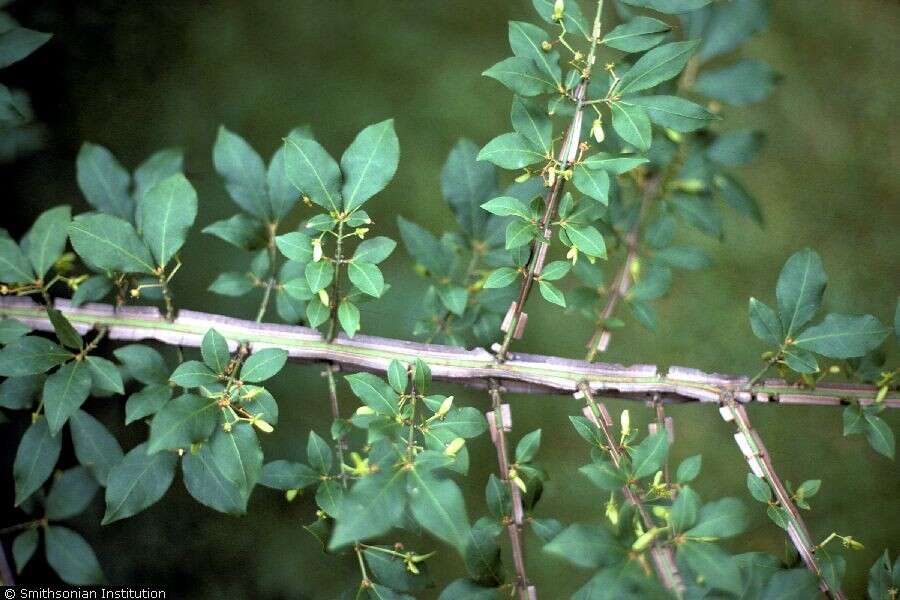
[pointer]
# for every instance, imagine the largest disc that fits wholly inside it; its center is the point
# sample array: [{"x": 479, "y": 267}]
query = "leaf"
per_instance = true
[
  {"x": 231, "y": 284},
  {"x": 463, "y": 589},
  {"x": 214, "y": 349},
  {"x": 737, "y": 197},
  {"x": 632, "y": 124},
  {"x": 319, "y": 275},
  {"x": 718, "y": 569},
  {"x": 64, "y": 330},
  {"x": 843, "y": 336},
  {"x": 95, "y": 447},
  {"x": 316, "y": 312},
  {"x": 684, "y": 510},
  {"x": 285, "y": 475},
  {"x": 374, "y": 250},
  {"x": 391, "y": 570},
  {"x": 674, "y": 112},
  {"x": 528, "y": 446},
  {"x": 369, "y": 163},
  {"x": 24, "y": 546},
  {"x": 375, "y": 393},
  {"x": 587, "y": 239},
  {"x": 183, "y": 421},
  {"x": 639, "y": 34},
  {"x": 348, "y": 316},
  {"x": 501, "y": 278},
  {"x": 35, "y": 458},
  {"x": 731, "y": 25},
  {"x": 312, "y": 171},
  {"x": 367, "y": 277},
  {"x": 243, "y": 171},
  {"x": 551, "y": 293},
  {"x": 654, "y": 67},
  {"x": 206, "y": 483},
  {"x": 482, "y": 553},
  {"x": 318, "y": 453},
  {"x": 64, "y": 393},
  {"x": 18, "y": 42},
  {"x": 648, "y": 456},
  {"x": 720, "y": 519},
  {"x": 586, "y": 546},
  {"x": 572, "y": 17},
  {"x": 263, "y": 364},
  {"x": 466, "y": 183},
  {"x": 438, "y": 506},
  {"x": 46, "y": 240},
  {"x": 104, "y": 182},
  {"x": 800, "y": 360},
  {"x": 779, "y": 515},
  {"x": 759, "y": 489},
  {"x": 669, "y": 6},
  {"x": 880, "y": 436},
  {"x": 592, "y": 182},
  {"x": 105, "y": 375},
  {"x": 11, "y": 330},
  {"x": 511, "y": 151},
  {"x": 556, "y": 270},
  {"x": 522, "y": 76},
  {"x": 735, "y": 148},
  {"x": 454, "y": 297},
  {"x": 92, "y": 290},
  {"x": 765, "y": 323},
  {"x": 283, "y": 196},
  {"x": 689, "y": 469},
  {"x": 71, "y": 556},
  {"x": 505, "y": 206},
  {"x": 373, "y": 506},
  {"x": 137, "y": 482},
  {"x": 329, "y": 496},
  {"x": 526, "y": 40},
  {"x": 18, "y": 393},
  {"x": 70, "y": 494},
  {"x": 423, "y": 247},
  {"x": 604, "y": 475},
  {"x": 618, "y": 165},
  {"x": 143, "y": 363},
  {"x": 880, "y": 575},
  {"x": 793, "y": 584},
  {"x": 193, "y": 374},
  {"x": 242, "y": 231},
  {"x": 14, "y": 265},
  {"x": 238, "y": 456},
  {"x": 110, "y": 243},
  {"x": 168, "y": 210},
  {"x": 161, "y": 165},
  {"x": 519, "y": 233},
  {"x": 743, "y": 82},
  {"x": 800, "y": 287},
  {"x": 530, "y": 119}
]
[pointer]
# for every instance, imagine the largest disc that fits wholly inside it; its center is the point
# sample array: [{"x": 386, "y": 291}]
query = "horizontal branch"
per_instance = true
[{"x": 525, "y": 373}]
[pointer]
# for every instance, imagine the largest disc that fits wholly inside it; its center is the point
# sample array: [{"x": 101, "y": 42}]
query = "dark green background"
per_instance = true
[{"x": 138, "y": 76}]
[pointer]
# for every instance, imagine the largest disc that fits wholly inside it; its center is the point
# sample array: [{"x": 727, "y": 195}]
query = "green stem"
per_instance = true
[
  {"x": 270, "y": 284},
  {"x": 335, "y": 299}
]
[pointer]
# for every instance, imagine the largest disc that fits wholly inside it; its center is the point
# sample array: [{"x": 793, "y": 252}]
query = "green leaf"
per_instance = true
[
  {"x": 374, "y": 250},
  {"x": 231, "y": 284},
  {"x": 214, "y": 350},
  {"x": 391, "y": 570},
  {"x": 654, "y": 67},
  {"x": 35, "y": 458},
  {"x": 617, "y": 165},
  {"x": 14, "y": 265},
  {"x": 684, "y": 511},
  {"x": 556, "y": 270},
  {"x": 24, "y": 546},
  {"x": 70, "y": 494},
  {"x": 110, "y": 243},
  {"x": 572, "y": 17},
  {"x": 206, "y": 483},
  {"x": 161, "y": 165},
  {"x": 64, "y": 393},
  {"x": 528, "y": 446},
  {"x": 104, "y": 182},
  {"x": 880, "y": 576},
  {"x": 466, "y": 183},
  {"x": 369, "y": 163},
  {"x": 511, "y": 151},
  {"x": 312, "y": 171},
  {"x": 529, "y": 118},
  {"x": 318, "y": 453},
  {"x": 137, "y": 482},
  {"x": 71, "y": 557},
  {"x": 424, "y": 248},
  {"x": 367, "y": 277},
  {"x": 263, "y": 364},
  {"x": 193, "y": 374},
  {"x": 587, "y": 239},
  {"x": 718, "y": 569},
  {"x": 95, "y": 447},
  {"x": 720, "y": 519},
  {"x": 375, "y": 504},
  {"x": 522, "y": 76},
  {"x": 11, "y": 330},
  {"x": 684, "y": 257},
  {"x": 463, "y": 589},
  {"x": 505, "y": 206},
  {"x": 759, "y": 488},
  {"x": 731, "y": 25},
  {"x": 800, "y": 287},
  {"x": 482, "y": 553},
  {"x": 329, "y": 496},
  {"x": 375, "y": 393},
  {"x": 143, "y": 363},
  {"x": 18, "y": 42},
  {"x": 146, "y": 402},
  {"x": 519, "y": 233},
  {"x": 526, "y": 40},
  {"x": 243, "y": 171},
  {"x": 18, "y": 393},
  {"x": 648, "y": 456},
  {"x": 843, "y": 336},
  {"x": 743, "y": 82},
  {"x": 604, "y": 475},
  {"x": 632, "y": 124},
  {"x": 316, "y": 312},
  {"x": 105, "y": 375},
  {"x": 735, "y": 148},
  {"x": 592, "y": 182},
  {"x": 800, "y": 360},
  {"x": 46, "y": 240},
  {"x": 319, "y": 275},
  {"x": 348, "y": 316},
  {"x": 238, "y": 456},
  {"x": 674, "y": 112},
  {"x": 689, "y": 469},
  {"x": 779, "y": 515},
  {"x": 183, "y": 421},
  {"x": 64, "y": 330},
  {"x": 551, "y": 293},
  {"x": 880, "y": 436},
  {"x": 737, "y": 197},
  {"x": 639, "y": 34},
  {"x": 283, "y": 196},
  {"x": 296, "y": 246},
  {"x": 501, "y": 278},
  {"x": 644, "y": 314},
  {"x": 765, "y": 323},
  {"x": 438, "y": 506},
  {"x": 586, "y": 546},
  {"x": 398, "y": 376},
  {"x": 241, "y": 231},
  {"x": 285, "y": 475},
  {"x": 672, "y": 7},
  {"x": 454, "y": 297},
  {"x": 168, "y": 210},
  {"x": 795, "y": 584}
]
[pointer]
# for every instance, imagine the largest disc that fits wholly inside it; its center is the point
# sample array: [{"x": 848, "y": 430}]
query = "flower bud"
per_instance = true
[
  {"x": 317, "y": 249},
  {"x": 454, "y": 446},
  {"x": 597, "y": 131},
  {"x": 546, "y": 46},
  {"x": 523, "y": 177},
  {"x": 444, "y": 407},
  {"x": 263, "y": 425},
  {"x": 361, "y": 232},
  {"x": 625, "y": 422},
  {"x": 365, "y": 410},
  {"x": 289, "y": 495},
  {"x": 559, "y": 8},
  {"x": 323, "y": 297}
]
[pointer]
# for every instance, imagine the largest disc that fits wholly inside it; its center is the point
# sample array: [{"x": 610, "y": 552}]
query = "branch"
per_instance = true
[
  {"x": 751, "y": 446},
  {"x": 525, "y": 373}
]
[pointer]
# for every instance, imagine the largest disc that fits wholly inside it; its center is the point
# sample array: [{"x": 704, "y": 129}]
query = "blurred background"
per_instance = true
[{"x": 137, "y": 76}]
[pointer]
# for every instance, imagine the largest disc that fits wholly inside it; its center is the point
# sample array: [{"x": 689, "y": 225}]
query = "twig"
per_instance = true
[
  {"x": 340, "y": 444},
  {"x": 500, "y": 421},
  {"x": 663, "y": 558},
  {"x": 760, "y": 462},
  {"x": 525, "y": 373},
  {"x": 270, "y": 284}
]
